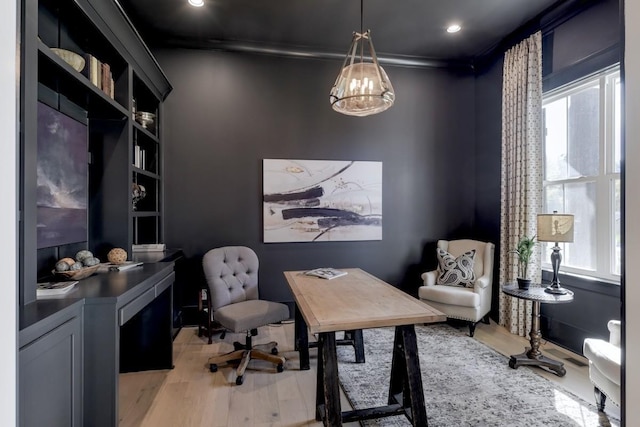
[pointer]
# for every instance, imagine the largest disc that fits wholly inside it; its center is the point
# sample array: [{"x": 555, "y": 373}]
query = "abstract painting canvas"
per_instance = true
[
  {"x": 62, "y": 179},
  {"x": 321, "y": 200}
]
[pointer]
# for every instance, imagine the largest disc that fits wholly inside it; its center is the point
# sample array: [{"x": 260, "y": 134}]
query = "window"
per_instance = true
[{"x": 581, "y": 157}]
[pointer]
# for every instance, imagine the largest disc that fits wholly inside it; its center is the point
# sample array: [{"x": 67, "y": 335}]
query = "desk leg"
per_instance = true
[
  {"x": 406, "y": 379},
  {"x": 533, "y": 355},
  {"x": 301, "y": 340},
  {"x": 355, "y": 338},
  {"x": 327, "y": 384}
]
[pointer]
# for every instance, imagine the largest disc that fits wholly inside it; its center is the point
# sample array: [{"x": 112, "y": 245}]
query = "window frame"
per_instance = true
[{"x": 605, "y": 180}]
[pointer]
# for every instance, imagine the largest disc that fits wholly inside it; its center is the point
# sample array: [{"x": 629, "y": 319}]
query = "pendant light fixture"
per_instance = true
[{"x": 362, "y": 87}]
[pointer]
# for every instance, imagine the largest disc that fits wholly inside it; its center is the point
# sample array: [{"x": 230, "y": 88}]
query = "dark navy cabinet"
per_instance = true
[
  {"x": 50, "y": 366},
  {"x": 73, "y": 348}
]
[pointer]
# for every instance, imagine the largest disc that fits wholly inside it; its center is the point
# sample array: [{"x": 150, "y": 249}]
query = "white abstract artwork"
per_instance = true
[{"x": 321, "y": 200}]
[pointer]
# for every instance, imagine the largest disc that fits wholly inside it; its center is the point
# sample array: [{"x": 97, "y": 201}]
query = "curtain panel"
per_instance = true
[{"x": 521, "y": 175}]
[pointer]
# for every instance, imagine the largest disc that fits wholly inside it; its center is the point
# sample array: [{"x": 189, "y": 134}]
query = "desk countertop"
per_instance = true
[
  {"x": 114, "y": 287},
  {"x": 356, "y": 301}
]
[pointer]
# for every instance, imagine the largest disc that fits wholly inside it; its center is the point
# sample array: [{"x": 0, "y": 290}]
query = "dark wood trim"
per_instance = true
[{"x": 261, "y": 49}]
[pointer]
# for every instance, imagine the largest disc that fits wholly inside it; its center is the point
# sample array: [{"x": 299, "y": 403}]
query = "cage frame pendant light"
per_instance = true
[{"x": 362, "y": 88}]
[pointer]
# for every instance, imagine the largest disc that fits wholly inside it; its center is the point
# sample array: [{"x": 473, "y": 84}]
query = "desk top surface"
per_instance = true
[
  {"x": 117, "y": 288},
  {"x": 355, "y": 301}
]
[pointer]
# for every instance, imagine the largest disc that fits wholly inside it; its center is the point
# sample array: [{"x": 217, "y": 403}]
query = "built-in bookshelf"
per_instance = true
[
  {"x": 146, "y": 174},
  {"x": 83, "y": 59}
]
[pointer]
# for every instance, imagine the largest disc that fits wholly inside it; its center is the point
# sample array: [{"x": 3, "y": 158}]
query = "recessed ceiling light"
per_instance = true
[
  {"x": 196, "y": 3},
  {"x": 453, "y": 28}
]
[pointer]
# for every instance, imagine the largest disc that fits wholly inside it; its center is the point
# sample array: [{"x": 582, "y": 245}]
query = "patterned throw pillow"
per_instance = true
[{"x": 456, "y": 271}]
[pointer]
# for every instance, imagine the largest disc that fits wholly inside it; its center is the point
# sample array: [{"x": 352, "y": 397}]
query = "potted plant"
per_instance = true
[{"x": 524, "y": 251}]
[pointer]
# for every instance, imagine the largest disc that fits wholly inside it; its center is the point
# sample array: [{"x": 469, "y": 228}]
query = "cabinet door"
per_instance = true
[{"x": 50, "y": 378}]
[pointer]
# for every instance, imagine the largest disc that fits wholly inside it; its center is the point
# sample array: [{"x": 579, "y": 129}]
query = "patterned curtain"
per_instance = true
[{"x": 521, "y": 185}]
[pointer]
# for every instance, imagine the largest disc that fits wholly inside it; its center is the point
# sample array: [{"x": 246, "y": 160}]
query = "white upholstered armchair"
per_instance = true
[
  {"x": 469, "y": 301},
  {"x": 604, "y": 365}
]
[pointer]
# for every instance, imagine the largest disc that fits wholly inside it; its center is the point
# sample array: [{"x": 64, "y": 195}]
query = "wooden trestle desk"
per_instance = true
[{"x": 360, "y": 301}]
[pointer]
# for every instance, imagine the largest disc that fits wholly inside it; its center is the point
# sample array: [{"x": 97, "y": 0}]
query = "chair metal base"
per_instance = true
[{"x": 268, "y": 352}]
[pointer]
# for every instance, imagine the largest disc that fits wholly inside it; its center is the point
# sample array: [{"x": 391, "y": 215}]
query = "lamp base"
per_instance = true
[
  {"x": 555, "y": 287},
  {"x": 556, "y": 290}
]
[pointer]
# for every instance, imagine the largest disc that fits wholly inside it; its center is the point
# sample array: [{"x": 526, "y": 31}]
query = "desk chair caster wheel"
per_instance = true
[
  {"x": 280, "y": 367},
  {"x": 240, "y": 380},
  {"x": 213, "y": 367},
  {"x": 274, "y": 350}
]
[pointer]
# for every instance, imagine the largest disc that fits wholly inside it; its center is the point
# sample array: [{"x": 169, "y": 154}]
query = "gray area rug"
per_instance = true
[{"x": 465, "y": 383}]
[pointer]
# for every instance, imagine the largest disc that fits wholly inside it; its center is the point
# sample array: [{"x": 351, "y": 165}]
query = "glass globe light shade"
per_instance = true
[
  {"x": 360, "y": 92},
  {"x": 362, "y": 88}
]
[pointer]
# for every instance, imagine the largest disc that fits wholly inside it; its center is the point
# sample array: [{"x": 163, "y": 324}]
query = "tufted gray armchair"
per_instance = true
[{"x": 232, "y": 276}]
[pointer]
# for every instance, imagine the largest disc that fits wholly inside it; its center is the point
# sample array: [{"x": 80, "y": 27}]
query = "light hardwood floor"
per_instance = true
[{"x": 190, "y": 395}]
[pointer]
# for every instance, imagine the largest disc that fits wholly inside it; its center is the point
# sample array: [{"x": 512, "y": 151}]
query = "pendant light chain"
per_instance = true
[
  {"x": 361, "y": 16},
  {"x": 361, "y": 29}
]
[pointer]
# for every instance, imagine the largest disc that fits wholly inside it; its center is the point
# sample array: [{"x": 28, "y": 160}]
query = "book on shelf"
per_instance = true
[
  {"x": 151, "y": 247},
  {"x": 48, "y": 289},
  {"x": 105, "y": 81},
  {"x": 139, "y": 157},
  {"x": 326, "y": 273},
  {"x": 136, "y": 156},
  {"x": 99, "y": 73},
  {"x": 109, "y": 266}
]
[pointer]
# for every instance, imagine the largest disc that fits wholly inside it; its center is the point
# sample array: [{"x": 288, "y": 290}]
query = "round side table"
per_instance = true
[{"x": 533, "y": 355}]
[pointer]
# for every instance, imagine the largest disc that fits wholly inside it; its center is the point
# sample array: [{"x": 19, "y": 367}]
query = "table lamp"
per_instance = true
[{"x": 555, "y": 228}]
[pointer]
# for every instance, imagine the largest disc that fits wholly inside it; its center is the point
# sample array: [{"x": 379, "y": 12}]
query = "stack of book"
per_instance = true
[
  {"x": 139, "y": 157},
  {"x": 53, "y": 289},
  {"x": 106, "y": 267},
  {"x": 99, "y": 73},
  {"x": 151, "y": 247}
]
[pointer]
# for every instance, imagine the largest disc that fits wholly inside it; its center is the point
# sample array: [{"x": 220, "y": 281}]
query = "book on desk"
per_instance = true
[
  {"x": 106, "y": 267},
  {"x": 326, "y": 273},
  {"x": 53, "y": 289}
]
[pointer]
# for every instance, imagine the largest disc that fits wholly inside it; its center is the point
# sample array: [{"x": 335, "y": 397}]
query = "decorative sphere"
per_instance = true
[
  {"x": 62, "y": 266},
  {"x": 88, "y": 262},
  {"x": 82, "y": 255},
  {"x": 69, "y": 261},
  {"x": 117, "y": 256},
  {"x": 77, "y": 266}
]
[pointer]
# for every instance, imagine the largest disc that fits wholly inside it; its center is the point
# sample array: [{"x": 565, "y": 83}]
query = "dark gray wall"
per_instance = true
[
  {"x": 229, "y": 111},
  {"x": 488, "y": 129},
  {"x": 588, "y": 40}
]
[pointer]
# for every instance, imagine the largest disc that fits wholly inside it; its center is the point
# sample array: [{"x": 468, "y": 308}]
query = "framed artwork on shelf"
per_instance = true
[
  {"x": 62, "y": 179},
  {"x": 321, "y": 200}
]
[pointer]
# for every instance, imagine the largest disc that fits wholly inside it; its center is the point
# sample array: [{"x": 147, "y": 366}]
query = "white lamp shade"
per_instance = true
[{"x": 555, "y": 228}]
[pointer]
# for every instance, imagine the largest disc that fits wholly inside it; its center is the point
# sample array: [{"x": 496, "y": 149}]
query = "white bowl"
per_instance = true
[
  {"x": 145, "y": 119},
  {"x": 76, "y": 61}
]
